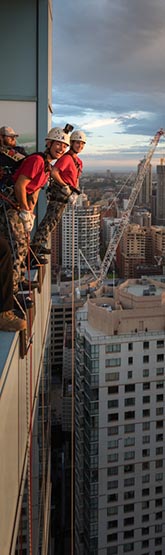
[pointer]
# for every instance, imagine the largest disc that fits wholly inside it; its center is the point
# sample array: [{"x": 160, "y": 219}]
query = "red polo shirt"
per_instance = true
[
  {"x": 33, "y": 167},
  {"x": 68, "y": 170}
]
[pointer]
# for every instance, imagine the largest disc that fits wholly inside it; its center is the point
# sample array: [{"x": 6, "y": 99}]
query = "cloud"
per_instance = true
[{"x": 109, "y": 65}]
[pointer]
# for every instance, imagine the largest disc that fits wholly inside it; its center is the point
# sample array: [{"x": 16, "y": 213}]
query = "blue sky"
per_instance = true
[{"x": 109, "y": 77}]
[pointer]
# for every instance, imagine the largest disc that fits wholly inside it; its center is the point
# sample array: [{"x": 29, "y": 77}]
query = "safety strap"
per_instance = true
[{"x": 76, "y": 163}]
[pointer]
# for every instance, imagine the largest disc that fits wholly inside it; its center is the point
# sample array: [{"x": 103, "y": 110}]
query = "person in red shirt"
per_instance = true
[
  {"x": 64, "y": 186},
  {"x": 16, "y": 213}
]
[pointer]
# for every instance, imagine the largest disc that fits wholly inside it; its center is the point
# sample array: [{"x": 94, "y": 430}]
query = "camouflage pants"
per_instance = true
[
  {"x": 12, "y": 228},
  {"x": 52, "y": 217}
]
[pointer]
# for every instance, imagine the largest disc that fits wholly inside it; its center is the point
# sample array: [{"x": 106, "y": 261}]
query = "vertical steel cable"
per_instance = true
[{"x": 72, "y": 419}]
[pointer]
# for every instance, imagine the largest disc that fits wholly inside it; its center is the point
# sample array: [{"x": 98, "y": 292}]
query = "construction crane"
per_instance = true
[{"x": 120, "y": 228}]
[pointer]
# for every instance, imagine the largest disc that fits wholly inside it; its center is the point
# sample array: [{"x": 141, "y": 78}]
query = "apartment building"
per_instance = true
[
  {"x": 160, "y": 195},
  {"x": 119, "y": 421},
  {"x": 86, "y": 233}
]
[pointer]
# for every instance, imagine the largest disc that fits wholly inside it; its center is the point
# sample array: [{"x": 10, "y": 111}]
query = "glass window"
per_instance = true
[
  {"x": 159, "y": 463},
  {"x": 113, "y": 389},
  {"x": 159, "y": 385},
  {"x": 129, "y": 414},
  {"x": 112, "y": 457},
  {"x": 145, "y": 505},
  {"x": 109, "y": 362},
  {"x": 130, "y": 346},
  {"x": 145, "y": 373},
  {"x": 113, "y": 444},
  {"x": 129, "y": 374},
  {"x": 129, "y": 387},
  {"x": 146, "y": 426},
  {"x": 113, "y": 484},
  {"x": 129, "y": 441},
  {"x": 160, "y": 343},
  {"x": 129, "y": 508},
  {"x": 145, "y": 344},
  {"x": 145, "y": 452},
  {"x": 113, "y": 403},
  {"x": 159, "y": 437},
  {"x": 145, "y": 478},
  {"x": 112, "y": 510},
  {"x": 128, "y": 534},
  {"x": 129, "y": 495},
  {"x": 112, "y": 524},
  {"x": 146, "y": 413},
  {"x": 128, "y": 455},
  {"x": 130, "y": 401},
  {"x": 159, "y": 450},
  {"x": 159, "y": 489},
  {"x": 129, "y": 482},
  {"x": 146, "y": 465},
  {"x": 113, "y": 430},
  {"x": 145, "y": 359},
  {"x": 159, "y": 424},
  {"x": 159, "y": 476},
  {"x": 146, "y": 439},
  {"x": 113, "y": 416},
  {"x": 145, "y": 518},
  {"x": 145, "y": 492},
  {"x": 146, "y": 398},
  {"x": 129, "y": 428},
  {"x": 114, "y": 348},
  {"x": 159, "y": 411},
  {"x": 146, "y": 385},
  {"x": 159, "y": 397},
  {"x": 130, "y": 360},
  {"x": 160, "y": 371},
  {"x": 112, "y": 497},
  {"x": 112, "y": 471},
  {"x": 129, "y": 521},
  {"x": 112, "y": 377},
  {"x": 129, "y": 468},
  {"x": 160, "y": 357},
  {"x": 128, "y": 547},
  {"x": 145, "y": 531}
]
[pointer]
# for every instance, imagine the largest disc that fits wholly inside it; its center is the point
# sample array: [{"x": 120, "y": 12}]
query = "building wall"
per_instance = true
[
  {"x": 119, "y": 427},
  {"x": 25, "y": 104}
]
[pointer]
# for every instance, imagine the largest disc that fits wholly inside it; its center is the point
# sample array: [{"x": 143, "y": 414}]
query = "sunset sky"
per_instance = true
[{"x": 109, "y": 78}]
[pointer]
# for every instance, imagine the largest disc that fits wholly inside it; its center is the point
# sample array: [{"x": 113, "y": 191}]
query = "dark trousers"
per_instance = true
[{"x": 6, "y": 276}]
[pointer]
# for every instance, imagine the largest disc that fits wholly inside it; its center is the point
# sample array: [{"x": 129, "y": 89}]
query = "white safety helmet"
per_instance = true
[
  {"x": 78, "y": 136},
  {"x": 57, "y": 134}
]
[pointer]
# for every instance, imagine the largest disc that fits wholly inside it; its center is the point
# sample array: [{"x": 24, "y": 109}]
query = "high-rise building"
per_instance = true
[
  {"x": 132, "y": 250},
  {"x": 119, "y": 422},
  {"x": 145, "y": 195},
  {"x": 160, "y": 196},
  {"x": 25, "y": 489},
  {"x": 86, "y": 233}
]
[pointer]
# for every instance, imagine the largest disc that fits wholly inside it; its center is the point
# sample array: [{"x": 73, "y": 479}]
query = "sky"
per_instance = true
[{"x": 109, "y": 77}]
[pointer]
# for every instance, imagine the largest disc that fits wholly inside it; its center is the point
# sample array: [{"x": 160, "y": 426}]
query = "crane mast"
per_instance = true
[{"x": 120, "y": 228}]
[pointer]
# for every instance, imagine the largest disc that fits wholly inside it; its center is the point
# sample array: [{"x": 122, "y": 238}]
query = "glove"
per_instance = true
[
  {"x": 28, "y": 220},
  {"x": 73, "y": 198}
]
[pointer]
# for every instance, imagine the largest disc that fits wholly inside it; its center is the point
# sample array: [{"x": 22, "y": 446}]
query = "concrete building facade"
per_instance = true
[
  {"x": 86, "y": 234},
  {"x": 119, "y": 422}
]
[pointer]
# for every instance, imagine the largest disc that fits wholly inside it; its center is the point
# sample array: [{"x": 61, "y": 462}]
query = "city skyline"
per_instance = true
[{"x": 108, "y": 77}]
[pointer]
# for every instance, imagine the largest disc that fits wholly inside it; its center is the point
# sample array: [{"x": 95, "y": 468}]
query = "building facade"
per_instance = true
[
  {"x": 160, "y": 196},
  {"x": 119, "y": 422},
  {"x": 86, "y": 234},
  {"x": 25, "y": 483}
]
